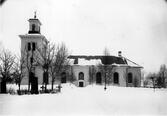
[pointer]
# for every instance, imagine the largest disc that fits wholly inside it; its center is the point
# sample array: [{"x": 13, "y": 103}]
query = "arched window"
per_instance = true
[
  {"x": 81, "y": 76},
  {"x": 98, "y": 78},
  {"x": 63, "y": 77},
  {"x": 130, "y": 78},
  {"x": 33, "y": 27},
  {"x": 116, "y": 78}
]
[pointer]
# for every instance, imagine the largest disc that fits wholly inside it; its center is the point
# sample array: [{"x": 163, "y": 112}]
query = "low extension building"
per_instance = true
[{"x": 113, "y": 70}]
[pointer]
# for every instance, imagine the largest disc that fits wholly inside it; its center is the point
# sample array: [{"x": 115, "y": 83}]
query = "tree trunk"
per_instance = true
[
  {"x": 34, "y": 85},
  {"x": 53, "y": 79},
  {"x": 19, "y": 93},
  {"x": 163, "y": 80},
  {"x": 28, "y": 86},
  {"x": 52, "y": 83},
  {"x": 3, "y": 86},
  {"x": 29, "y": 82},
  {"x": 19, "y": 87},
  {"x": 105, "y": 81},
  {"x": 45, "y": 79},
  {"x": 45, "y": 87}
]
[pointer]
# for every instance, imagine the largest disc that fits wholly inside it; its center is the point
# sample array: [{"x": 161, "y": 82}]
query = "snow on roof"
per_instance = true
[
  {"x": 104, "y": 60},
  {"x": 71, "y": 61},
  {"x": 83, "y": 61},
  {"x": 132, "y": 64}
]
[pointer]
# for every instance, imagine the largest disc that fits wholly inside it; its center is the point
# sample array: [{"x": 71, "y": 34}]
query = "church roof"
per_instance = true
[
  {"x": 106, "y": 60},
  {"x": 34, "y": 19}
]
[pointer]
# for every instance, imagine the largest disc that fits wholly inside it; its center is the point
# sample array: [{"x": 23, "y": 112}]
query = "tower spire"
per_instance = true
[
  {"x": 34, "y": 25},
  {"x": 35, "y": 13}
]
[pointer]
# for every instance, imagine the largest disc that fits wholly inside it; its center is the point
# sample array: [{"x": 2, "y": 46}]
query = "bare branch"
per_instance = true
[{"x": 6, "y": 63}]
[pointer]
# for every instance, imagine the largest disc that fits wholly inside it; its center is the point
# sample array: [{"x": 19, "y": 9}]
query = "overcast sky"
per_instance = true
[{"x": 138, "y": 28}]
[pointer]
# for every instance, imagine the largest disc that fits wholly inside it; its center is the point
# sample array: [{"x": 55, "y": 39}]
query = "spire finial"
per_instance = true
[{"x": 35, "y": 13}]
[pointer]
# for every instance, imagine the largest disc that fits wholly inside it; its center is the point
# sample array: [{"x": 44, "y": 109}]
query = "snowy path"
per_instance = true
[{"x": 91, "y": 100}]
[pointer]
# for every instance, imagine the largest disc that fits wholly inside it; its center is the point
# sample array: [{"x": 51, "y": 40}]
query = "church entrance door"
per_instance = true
[{"x": 81, "y": 84}]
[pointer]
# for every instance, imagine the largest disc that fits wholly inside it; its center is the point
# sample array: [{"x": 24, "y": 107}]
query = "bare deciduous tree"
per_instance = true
[
  {"x": 106, "y": 52},
  {"x": 72, "y": 76},
  {"x": 6, "y": 66},
  {"x": 92, "y": 74},
  {"x": 159, "y": 79},
  {"x": 44, "y": 58},
  {"x": 153, "y": 78},
  {"x": 163, "y": 75},
  {"x": 28, "y": 61},
  {"x": 19, "y": 71},
  {"x": 105, "y": 67},
  {"x": 60, "y": 60}
]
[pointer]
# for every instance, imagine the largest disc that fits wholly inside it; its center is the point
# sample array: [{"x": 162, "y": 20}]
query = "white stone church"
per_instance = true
[{"x": 83, "y": 70}]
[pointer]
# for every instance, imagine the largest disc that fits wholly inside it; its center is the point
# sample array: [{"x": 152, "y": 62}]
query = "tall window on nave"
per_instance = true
[
  {"x": 81, "y": 76},
  {"x": 116, "y": 78},
  {"x": 130, "y": 78}
]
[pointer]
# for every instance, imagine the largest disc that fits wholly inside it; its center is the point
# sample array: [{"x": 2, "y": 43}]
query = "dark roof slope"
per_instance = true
[{"x": 106, "y": 60}]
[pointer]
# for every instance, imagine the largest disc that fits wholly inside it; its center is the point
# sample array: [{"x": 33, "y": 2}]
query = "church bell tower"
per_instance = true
[
  {"x": 30, "y": 43},
  {"x": 34, "y": 25}
]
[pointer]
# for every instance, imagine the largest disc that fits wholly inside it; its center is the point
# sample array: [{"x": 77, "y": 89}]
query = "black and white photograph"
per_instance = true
[{"x": 83, "y": 57}]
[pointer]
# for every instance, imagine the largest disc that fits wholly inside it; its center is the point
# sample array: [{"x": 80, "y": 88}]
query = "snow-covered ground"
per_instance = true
[{"x": 90, "y": 100}]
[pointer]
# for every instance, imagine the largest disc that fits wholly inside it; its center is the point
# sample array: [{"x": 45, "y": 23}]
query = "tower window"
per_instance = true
[
  {"x": 33, "y": 27},
  {"x": 29, "y": 46},
  {"x": 33, "y": 46}
]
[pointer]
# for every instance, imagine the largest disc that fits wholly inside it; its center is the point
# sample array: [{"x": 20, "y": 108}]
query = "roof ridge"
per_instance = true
[
  {"x": 132, "y": 62},
  {"x": 92, "y": 56}
]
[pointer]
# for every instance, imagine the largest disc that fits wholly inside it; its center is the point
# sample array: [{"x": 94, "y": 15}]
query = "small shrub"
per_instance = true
[
  {"x": 11, "y": 91},
  {"x": 23, "y": 92}
]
